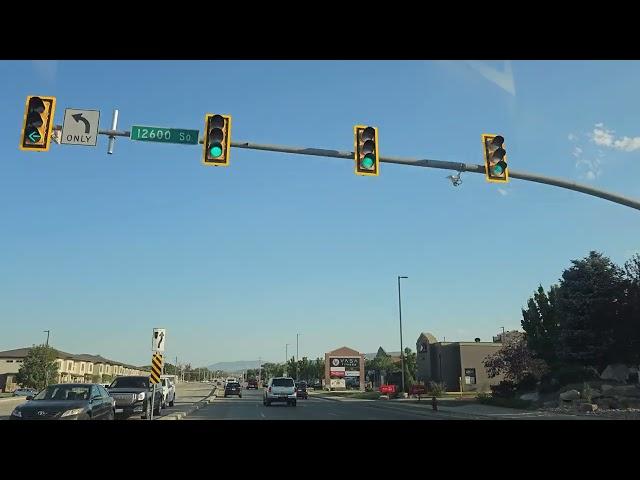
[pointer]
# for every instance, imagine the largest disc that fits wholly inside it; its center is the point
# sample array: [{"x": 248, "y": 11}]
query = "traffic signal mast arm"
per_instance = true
[{"x": 461, "y": 167}]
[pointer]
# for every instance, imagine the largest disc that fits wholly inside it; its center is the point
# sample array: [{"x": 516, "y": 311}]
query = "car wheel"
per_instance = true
[
  {"x": 172, "y": 402},
  {"x": 239, "y": 396},
  {"x": 157, "y": 408},
  {"x": 268, "y": 403},
  {"x": 112, "y": 415}
]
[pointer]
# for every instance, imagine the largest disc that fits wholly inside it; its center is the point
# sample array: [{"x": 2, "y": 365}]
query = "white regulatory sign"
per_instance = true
[
  {"x": 80, "y": 127},
  {"x": 158, "y": 340}
]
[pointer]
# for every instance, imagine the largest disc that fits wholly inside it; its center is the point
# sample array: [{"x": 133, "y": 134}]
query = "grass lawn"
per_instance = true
[{"x": 8, "y": 394}]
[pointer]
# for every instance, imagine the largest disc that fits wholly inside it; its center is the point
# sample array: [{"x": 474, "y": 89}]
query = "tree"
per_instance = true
[
  {"x": 590, "y": 301},
  {"x": 627, "y": 337},
  {"x": 540, "y": 321},
  {"x": 514, "y": 360},
  {"x": 39, "y": 367},
  {"x": 410, "y": 367}
]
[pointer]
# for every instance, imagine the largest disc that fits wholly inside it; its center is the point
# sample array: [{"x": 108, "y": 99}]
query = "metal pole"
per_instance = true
[
  {"x": 46, "y": 370},
  {"x": 460, "y": 167},
  {"x": 502, "y": 334},
  {"x": 297, "y": 358},
  {"x": 401, "y": 346},
  {"x": 48, "y": 331},
  {"x": 150, "y": 416},
  {"x": 112, "y": 138}
]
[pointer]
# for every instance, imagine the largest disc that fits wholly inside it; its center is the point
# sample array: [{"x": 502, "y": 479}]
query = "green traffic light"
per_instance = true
[
  {"x": 367, "y": 162},
  {"x": 215, "y": 151},
  {"x": 498, "y": 170}
]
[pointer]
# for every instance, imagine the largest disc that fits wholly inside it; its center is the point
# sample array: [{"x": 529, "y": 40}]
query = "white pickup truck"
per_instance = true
[{"x": 168, "y": 390}]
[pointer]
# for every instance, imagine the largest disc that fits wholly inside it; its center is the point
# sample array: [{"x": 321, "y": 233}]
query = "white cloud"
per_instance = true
[
  {"x": 604, "y": 137},
  {"x": 502, "y": 78},
  {"x": 47, "y": 69},
  {"x": 572, "y": 137},
  {"x": 591, "y": 175},
  {"x": 577, "y": 151},
  {"x": 503, "y": 192}
]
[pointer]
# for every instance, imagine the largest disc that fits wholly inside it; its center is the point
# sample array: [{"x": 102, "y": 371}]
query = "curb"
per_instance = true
[{"x": 197, "y": 406}]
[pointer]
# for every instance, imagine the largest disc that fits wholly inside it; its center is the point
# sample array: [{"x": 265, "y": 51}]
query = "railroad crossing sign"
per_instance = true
[
  {"x": 158, "y": 341},
  {"x": 156, "y": 367},
  {"x": 80, "y": 127}
]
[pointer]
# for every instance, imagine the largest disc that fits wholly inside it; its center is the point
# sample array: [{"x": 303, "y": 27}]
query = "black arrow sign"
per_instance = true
[
  {"x": 79, "y": 118},
  {"x": 161, "y": 338}
]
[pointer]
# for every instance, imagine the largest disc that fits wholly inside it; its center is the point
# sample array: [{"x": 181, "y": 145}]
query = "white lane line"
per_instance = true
[
  {"x": 262, "y": 415},
  {"x": 334, "y": 414}
]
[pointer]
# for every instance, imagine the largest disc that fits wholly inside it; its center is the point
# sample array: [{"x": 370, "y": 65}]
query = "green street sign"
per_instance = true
[{"x": 164, "y": 135}]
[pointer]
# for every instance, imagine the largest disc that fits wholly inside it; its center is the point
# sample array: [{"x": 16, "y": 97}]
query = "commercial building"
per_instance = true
[
  {"x": 459, "y": 365},
  {"x": 72, "y": 368},
  {"x": 344, "y": 369}
]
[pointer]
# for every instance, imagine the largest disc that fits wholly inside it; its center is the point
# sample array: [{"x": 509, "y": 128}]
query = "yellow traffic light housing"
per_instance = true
[
  {"x": 38, "y": 123},
  {"x": 495, "y": 158},
  {"x": 217, "y": 139},
  {"x": 366, "y": 150}
]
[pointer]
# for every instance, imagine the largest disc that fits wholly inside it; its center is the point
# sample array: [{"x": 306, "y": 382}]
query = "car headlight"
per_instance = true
[
  {"x": 74, "y": 411},
  {"x": 140, "y": 396},
  {"x": 16, "y": 413}
]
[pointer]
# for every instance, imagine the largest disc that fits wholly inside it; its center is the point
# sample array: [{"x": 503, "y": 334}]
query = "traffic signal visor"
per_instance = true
[
  {"x": 495, "y": 158},
  {"x": 217, "y": 140},
  {"x": 366, "y": 150},
  {"x": 38, "y": 123}
]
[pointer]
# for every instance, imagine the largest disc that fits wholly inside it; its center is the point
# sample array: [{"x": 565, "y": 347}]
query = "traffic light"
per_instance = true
[
  {"x": 366, "y": 150},
  {"x": 217, "y": 139},
  {"x": 38, "y": 123},
  {"x": 495, "y": 158}
]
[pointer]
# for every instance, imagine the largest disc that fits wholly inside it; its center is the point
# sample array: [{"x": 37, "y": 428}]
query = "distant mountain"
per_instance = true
[{"x": 238, "y": 366}]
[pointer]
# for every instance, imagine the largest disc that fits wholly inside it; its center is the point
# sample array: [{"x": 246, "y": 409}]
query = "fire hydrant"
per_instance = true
[{"x": 434, "y": 403}]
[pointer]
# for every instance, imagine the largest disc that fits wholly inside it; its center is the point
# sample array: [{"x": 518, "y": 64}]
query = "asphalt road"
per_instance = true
[
  {"x": 250, "y": 407},
  {"x": 187, "y": 394}
]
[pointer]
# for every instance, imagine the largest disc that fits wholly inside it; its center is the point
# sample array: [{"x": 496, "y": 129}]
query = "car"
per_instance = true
[
  {"x": 280, "y": 389},
  {"x": 68, "y": 401},
  {"x": 232, "y": 388},
  {"x": 168, "y": 392},
  {"x": 301, "y": 390},
  {"x": 133, "y": 395},
  {"x": 253, "y": 383},
  {"x": 25, "y": 392}
]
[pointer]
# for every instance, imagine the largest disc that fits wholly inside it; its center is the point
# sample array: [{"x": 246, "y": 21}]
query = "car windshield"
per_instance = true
[
  {"x": 233, "y": 385},
  {"x": 64, "y": 392},
  {"x": 130, "y": 382},
  {"x": 282, "y": 382}
]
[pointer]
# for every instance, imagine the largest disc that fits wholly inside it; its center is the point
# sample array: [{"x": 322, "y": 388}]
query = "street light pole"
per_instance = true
[
  {"x": 297, "y": 358},
  {"x": 286, "y": 357},
  {"x": 401, "y": 346},
  {"x": 46, "y": 371}
]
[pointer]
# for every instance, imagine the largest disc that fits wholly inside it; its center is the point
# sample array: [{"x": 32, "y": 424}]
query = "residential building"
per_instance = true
[{"x": 72, "y": 368}]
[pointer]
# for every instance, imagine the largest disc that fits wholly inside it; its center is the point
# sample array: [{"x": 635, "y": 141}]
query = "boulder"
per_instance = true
[
  {"x": 534, "y": 397},
  {"x": 570, "y": 395},
  {"x": 607, "y": 403},
  {"x": 587, "y": 407},
  {"x": 618, "y": 372}
]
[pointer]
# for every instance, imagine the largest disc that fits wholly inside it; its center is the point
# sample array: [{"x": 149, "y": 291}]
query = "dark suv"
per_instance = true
[
  {"x": 133, "y": 396},
  {"x": 301, "y": 390},
  {"x": 232, "y": 388},
  {"x": 253, "y": 383}
]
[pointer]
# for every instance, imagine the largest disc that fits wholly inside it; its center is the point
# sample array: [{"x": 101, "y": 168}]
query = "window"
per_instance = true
[
  {"x": 9, "y": 361},
  {"x": 282, "y": 382},
  {"x": 81, "y": 367},
  {"x": 69, "y": 366},
  {"x": 470, "y": 376},
  {"x": 91, "y": 368},
  {"x": 101, "y": 368}
]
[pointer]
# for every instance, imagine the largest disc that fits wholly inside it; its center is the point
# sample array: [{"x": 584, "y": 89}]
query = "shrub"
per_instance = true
[
  {"x": 586, "y": 393},
  {"x": 573, "y": 374},
  {"x": 505, "y": 389},
  {"x": 437, "y": 389},
  {"x": 528, "y": 383}
]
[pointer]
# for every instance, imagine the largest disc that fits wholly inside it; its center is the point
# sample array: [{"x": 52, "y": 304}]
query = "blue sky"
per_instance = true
[{"x": 235, "y": 261}]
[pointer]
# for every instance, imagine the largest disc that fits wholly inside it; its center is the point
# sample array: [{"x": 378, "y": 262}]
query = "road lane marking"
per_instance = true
[
  {"x": 334, "y": 414},
  {"x": 262, "y": 415}
]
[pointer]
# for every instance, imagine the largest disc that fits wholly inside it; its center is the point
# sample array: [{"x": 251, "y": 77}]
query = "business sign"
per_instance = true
[
  {"x": 351, "y": 363},
  {"x": 352, "y": 373},
  {"x": 337, "y": 383},
  {"x": 336, "y": 373}
]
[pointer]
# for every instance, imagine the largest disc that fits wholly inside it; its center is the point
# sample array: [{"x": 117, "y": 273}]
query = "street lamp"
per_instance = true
[
  {"x": 46, "y": 371},
  {"x": 401, "y": 346},
  {"x": 286, "y": 357},
  {"x": 297, "y": 358}
]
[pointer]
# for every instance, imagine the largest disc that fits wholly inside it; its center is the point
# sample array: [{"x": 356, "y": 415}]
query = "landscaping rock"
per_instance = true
[
  {"x": 570, "y": 395},
  {"x": 607, "y": 403},
  {"x": 618, "y": 372},
  {"x": 534, "y": 397}
]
